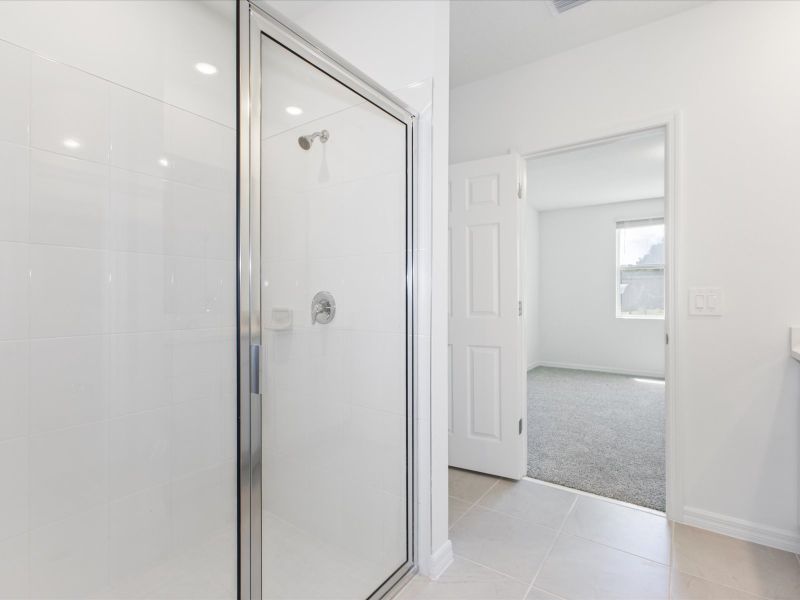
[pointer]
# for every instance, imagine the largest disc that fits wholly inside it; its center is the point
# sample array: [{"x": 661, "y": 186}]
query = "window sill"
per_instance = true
[{"x": 642, "y": 317}]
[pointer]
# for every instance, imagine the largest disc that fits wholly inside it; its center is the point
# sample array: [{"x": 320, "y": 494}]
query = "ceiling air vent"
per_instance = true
[{"x": 562, "y": 6}]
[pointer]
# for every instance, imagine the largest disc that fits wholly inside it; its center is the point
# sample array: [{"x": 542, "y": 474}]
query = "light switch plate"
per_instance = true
[{"x": 705, "y": 301}]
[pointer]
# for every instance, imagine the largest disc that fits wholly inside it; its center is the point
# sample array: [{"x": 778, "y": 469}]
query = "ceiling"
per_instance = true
[
  {"x": 491, "y": 36},
  {"x": 628, "y": 168}
]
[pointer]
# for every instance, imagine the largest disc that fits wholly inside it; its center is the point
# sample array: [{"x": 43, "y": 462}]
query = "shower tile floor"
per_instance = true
[{"x": 530, "y": 540}]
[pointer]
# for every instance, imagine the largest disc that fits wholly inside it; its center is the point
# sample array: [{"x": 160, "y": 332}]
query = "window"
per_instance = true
[{"x": 640, "y": 269}]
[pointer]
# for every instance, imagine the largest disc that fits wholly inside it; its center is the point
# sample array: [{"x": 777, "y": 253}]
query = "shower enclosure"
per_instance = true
[
  {"x": 205, "y": 367},
  {"x": 117, "y": 300},
  {"x": 325, "y": 321}
]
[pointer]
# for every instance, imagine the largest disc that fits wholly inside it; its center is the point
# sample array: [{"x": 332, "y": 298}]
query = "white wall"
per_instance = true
[
  {"x": 578, "y": 326},
  {"x": 400, "y": 45},
  {"x": 117, "y": 309},
  {"x": 730, "y": 68}
]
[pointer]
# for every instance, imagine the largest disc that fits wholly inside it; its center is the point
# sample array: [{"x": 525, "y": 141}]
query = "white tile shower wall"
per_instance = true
[
  {"x": 117, "y": 345},
  {"x": 335, "y": 407}
]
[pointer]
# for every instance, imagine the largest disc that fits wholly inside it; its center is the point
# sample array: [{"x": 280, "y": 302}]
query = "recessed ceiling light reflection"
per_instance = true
[
  {"x": 163, "y": 162},
  {"x": 205, "y": 68},
  {"x": 71, "y": 143},
  {"x": 294, "y": 110}
]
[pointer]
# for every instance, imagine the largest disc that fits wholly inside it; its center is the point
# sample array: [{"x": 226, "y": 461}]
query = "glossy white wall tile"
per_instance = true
[
  {"x": 151, "y": 137},
  {"x": 68, "y": 291},
  {"x": 14, "y": 274},
  {"x": 68, "y": 472},
  {"x": 14, "y": 175},
  {"x": 202, "y": 364},
  {"x": 205, "y": 504},
  {"x": 69, "y": 111},
  {"x": 140, "y": 372},
  {"x": 68, "y": 201},
  {"x": 138, "y": 533},
  {"x": 14, "y": 506},
  {"x": 117, "y": 269},
  {"x": 198, "y": 441},
  {"x": 69, "y": 559},
  {"x": 138, "y": 206},
  {"x": 139, "y": 293},
  {"x": 14, "y": 567},
  {"x": 15, "y": 73},
  {"x": 376, "y": 203},
  {"x": 139, "y": 449},
  {"x": 14, "y": 388},
  {"x": 71, "y": 383}
]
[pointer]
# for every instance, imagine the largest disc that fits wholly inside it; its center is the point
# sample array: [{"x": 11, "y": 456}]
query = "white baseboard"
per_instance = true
[
  {"x": 599, "y": 368},
  {"x": 783, "y": 539},
  {"x": 440, "y": 560}
]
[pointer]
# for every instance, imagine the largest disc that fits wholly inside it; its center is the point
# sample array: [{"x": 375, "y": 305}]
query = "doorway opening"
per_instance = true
[{"x": 595, "y": 278}]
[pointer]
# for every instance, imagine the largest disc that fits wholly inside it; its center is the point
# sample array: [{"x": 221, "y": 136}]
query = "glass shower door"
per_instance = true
[{"x": 334, "y": 327}]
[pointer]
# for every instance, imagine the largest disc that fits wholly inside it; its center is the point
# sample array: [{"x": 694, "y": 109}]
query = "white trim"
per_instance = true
[
  {"x": 600, "y": 369},
  {"x": 440, "y": 560},
  {"x": 671, "y": 122},
  {"x": 672, "y": 200},
  {"x": 784, "y": 539}
]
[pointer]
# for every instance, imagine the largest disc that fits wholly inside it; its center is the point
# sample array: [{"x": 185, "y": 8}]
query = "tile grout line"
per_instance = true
[
  {"x": 559, "y": 529},
  {"x": 552, "y": 545},
  {"x": 671, "y": 568},
  {"x": 492, "y": 569},
  {"x": 628, "y": 552},
  {"x": 717, "y": 583},
  {"x": 33, "y": 54},
  {"x": 503, "y": 514},
  {"x": 473, "y": 505}
]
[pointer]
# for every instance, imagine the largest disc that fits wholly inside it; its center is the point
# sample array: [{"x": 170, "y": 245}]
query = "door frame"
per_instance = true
[
  {"x": 671, "y": 124},
  {"x": 252, "y": 22}
]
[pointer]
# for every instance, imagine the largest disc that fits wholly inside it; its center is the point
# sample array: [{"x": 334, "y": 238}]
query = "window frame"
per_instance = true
[{"x": 619, "y": 267}]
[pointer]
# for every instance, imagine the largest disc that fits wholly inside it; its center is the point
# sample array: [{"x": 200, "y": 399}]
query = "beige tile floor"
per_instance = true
[{"x": 528, "y": 540}]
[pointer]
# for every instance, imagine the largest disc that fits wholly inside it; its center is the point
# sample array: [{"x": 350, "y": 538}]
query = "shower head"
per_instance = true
[{"x": 305, "y": 141}]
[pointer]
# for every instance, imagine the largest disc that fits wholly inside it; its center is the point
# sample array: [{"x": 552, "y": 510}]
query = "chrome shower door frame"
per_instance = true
[{"x": 253, "y": 22}]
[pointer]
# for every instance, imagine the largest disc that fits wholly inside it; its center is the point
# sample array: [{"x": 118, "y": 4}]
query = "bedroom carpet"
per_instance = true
[{"x": 598, "y": 432}]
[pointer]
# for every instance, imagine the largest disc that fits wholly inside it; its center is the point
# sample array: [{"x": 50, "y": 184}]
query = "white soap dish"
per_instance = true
[{"x": 280, "y": 319}]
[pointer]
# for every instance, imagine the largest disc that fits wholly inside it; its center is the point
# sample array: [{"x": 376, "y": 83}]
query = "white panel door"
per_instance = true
[{"x": 487, "y": 354}]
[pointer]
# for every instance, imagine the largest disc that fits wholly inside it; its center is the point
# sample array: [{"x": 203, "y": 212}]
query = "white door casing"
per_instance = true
[{"x": 487, "y": 416}]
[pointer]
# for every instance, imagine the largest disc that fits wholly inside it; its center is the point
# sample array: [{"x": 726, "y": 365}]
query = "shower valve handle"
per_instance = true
[{"x": 323, "y": 308}]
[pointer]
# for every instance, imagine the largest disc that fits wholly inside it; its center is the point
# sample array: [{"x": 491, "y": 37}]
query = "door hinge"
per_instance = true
[
  {"x": 666, "y": 337},
  {"x": 520, "y": 426},
  {"x": 519, "y": 307},
  {"x": 519, "y": 190}
]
